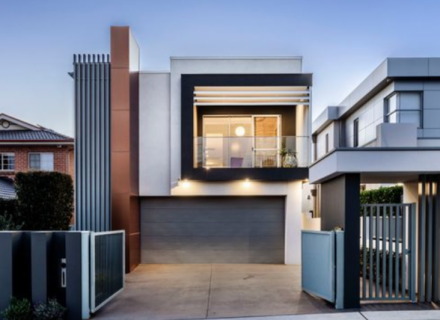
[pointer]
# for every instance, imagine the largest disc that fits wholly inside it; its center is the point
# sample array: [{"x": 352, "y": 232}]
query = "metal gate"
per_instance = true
[
  {"x": 107, "y": 267},
  {"x": 388, "y": 252}
]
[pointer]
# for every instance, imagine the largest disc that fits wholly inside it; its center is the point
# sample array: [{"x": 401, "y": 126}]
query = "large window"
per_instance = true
[
  {"x": 404, "y": 107},
  {"x": 41, "y": 161},
  {"x": 7, "y": 161}
]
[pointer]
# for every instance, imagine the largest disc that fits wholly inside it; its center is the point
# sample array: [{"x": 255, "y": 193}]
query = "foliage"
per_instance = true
[
  {"x": 45, "y": 200},
  {"x": 18, "y": 309},
  {"x": 7, "y": 223},
  {"x": 51, "y": 310},
  {"x": 382, "y": 195},
  {"x": 8, "y": 207},
  {"x": 375, "y": 266}
]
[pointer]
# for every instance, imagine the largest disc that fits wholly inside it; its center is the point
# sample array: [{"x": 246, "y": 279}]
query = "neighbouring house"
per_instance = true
[
  {"x": 25, "y": 147},
  {"x": 208, "y": 162},
  {"x": 387, "y": 131}
]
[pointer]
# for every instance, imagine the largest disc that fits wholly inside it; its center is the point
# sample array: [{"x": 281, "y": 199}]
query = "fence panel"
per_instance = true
[{"x": 387, "y": 252}]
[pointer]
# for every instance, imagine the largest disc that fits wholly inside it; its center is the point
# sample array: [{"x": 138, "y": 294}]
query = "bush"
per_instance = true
[
  {"x": 7, "y": 223},
  {"x": 8, "y": 207},
  {"x": 51, "y": 310},
  {"x": 382, "y": 195},
  {"x": 18, "y": 309},
  {"x": 374, "y": 266},
  {"x": 45, "y": 200}
]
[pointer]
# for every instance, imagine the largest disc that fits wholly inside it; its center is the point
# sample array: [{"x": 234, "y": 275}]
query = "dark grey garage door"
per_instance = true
[{"x": 212, "y": 230}]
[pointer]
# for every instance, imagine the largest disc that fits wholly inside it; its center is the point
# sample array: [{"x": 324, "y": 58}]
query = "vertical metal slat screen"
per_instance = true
[
  {"x": 92, "y": 143},
  {"x": 107, "y": 266},
  {"x": 388, "y": 252}
]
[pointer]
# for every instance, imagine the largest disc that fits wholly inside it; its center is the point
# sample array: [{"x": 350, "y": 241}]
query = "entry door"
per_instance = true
[{"x": 267, "y": 141}]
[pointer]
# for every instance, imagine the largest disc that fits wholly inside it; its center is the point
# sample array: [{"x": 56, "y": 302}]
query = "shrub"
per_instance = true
[
  {"x": 51, "y": 310},
  {"x": 375, "y": 266},
  {"x": 8, "y": 207},
  {"x": 382, "y": 195},
  {"x": 7, "y": 223},
  {"x": 45, "y": 200},
  {"x": 18, "y": 309}
]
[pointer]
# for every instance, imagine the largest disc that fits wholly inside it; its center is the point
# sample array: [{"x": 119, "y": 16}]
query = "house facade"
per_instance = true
[
  {"x": 25, "y": 147},
  {"x": 209, "y": 160},
  {"x": 387, "y": 131}
]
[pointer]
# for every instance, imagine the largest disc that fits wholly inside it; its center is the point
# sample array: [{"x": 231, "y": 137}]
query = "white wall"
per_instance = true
[
  {"x": 320, "y": 140},
  {"x": 370, "y": 115},
  {"x": 154, "y": 134}
]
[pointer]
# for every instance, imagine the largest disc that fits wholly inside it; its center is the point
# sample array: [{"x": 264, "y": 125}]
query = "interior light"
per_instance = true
[
  {"x": 185, "y": 183},
  {"x": 240, "y": 131},
  {"x": 247, "y": 183}
]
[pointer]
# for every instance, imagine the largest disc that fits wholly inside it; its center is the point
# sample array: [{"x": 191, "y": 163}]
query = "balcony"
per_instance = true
[{"x": 287, "y": 152}]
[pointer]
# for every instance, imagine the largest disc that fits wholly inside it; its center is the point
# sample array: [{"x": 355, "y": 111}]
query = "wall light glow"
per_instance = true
[
  {"x": 246, "y": 183},
  {"x": 185, "y": 183}
]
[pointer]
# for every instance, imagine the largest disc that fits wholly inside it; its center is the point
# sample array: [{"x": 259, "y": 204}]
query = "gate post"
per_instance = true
[{"x": 340, "y": 207}]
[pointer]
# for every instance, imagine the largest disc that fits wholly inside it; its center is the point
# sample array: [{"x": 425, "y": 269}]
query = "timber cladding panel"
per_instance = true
[
  {"x": 212, "y": 230},
  {"x": 124, "y": 140}
]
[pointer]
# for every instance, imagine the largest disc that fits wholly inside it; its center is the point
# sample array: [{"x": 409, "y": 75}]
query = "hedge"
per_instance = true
[
  {"x": 374, "y": 266},
  {"x": 44, "y": 200},
  {"x": 382, "y": 195}
]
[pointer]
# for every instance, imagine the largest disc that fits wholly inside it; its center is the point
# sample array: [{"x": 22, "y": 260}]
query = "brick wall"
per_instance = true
[{"x": 63, "y": 158}]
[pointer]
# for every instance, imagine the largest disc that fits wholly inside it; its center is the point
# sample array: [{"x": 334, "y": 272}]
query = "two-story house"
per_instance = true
[
  {"x": 208, "y": 160},
  {"x": 25, "y": 147},
  {"x": 387, "y": 131}
]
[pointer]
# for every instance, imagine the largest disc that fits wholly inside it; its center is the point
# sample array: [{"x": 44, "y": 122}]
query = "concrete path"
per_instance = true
[{"x": 272, "y": 292}]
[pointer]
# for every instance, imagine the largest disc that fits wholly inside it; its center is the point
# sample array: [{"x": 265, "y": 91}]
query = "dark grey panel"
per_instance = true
[
  {"x": 213, "y": 230},
  {"x": 92, "y": 142}
]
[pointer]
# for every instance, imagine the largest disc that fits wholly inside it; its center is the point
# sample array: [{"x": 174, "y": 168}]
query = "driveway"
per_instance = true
[
  {"x": 200, "y": 291},
  {"x": 212, "y": 291}
]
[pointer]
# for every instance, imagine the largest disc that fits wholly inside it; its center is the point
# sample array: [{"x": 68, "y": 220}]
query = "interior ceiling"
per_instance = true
[{"x": 251, "y": 96}]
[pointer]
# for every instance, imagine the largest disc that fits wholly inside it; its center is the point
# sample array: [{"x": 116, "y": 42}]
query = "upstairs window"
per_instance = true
[
  {"x": 356, "y": 133},
  {"x": 7, "y": 161},
  {"x": 404, "y": 107},
  {"x": 41, "y": 161}
]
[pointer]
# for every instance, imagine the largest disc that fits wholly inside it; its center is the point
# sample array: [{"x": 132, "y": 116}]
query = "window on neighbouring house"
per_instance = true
[
  {"x": 326, "y": 143},
  {"x": 404, "y": 107},
  {"x": 41, "y": 161},
  {"x": 7, "y": 161},
  {"x": 356, "y": 133}
]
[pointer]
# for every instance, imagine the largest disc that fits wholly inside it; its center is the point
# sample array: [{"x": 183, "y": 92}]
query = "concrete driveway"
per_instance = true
[{"x": 212, "y": 291}]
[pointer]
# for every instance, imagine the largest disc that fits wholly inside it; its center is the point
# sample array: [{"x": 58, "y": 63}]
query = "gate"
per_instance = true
[
  {"x": 388, "y": 252},
  {"x": 107, "y": 267}
]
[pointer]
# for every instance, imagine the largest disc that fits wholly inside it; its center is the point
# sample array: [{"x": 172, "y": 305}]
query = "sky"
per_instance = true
[{"x": 341, "y": 42}]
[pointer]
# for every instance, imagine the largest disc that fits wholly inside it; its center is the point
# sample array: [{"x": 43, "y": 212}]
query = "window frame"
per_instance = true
[
  {"x": 387, "y": 114},
  {"x": 356, "y": 133},
  {"x": 40, "y": 153},
  {"x": 1, "y": 161}
]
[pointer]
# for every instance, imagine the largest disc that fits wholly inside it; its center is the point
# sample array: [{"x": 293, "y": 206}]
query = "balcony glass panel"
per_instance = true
[{"x": 250, "y": 152}]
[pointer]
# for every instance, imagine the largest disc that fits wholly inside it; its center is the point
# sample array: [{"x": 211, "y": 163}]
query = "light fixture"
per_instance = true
[
  {"x": 185, "y": 183},
  {"x": 247, "y": 183},
  {"x": 240, "y": 131}
]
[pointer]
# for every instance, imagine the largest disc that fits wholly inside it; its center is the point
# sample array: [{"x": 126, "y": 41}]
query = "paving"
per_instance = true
[{"x": 201, "y": 291}]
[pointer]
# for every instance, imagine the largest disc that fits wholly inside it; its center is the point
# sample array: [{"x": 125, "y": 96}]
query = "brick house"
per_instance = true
[{"x": 25, "y": 147}]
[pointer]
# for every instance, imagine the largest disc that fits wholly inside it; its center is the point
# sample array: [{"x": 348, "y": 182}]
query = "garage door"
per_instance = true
[{"x": 212, "y": 230}]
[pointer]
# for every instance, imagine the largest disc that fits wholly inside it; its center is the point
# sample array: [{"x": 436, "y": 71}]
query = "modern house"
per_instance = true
[
  {"x": 386, "y": 131},
  {"x": 216, "y": 161},
  {"x": 25, "y": 147},
  {"x": 209, "y": 160}
]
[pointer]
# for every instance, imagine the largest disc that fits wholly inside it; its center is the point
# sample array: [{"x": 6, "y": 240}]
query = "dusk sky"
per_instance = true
[{"x": 341, "y": 42}]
